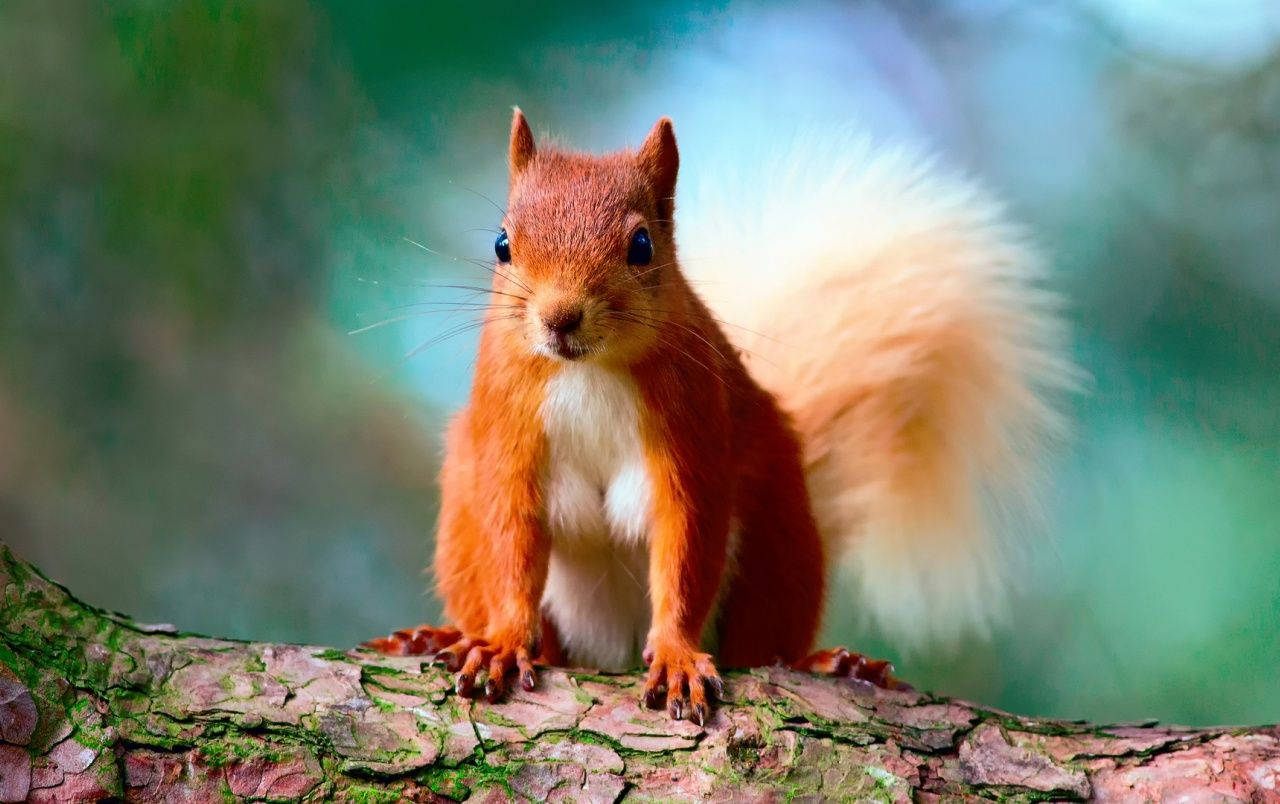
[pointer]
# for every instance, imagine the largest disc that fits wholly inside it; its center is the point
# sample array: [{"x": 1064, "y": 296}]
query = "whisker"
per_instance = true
[
  {"x": 667, "y": 341},
  {"x": 452, "y": 258},
  {"x": 653, "y": 268},
  {"x": 630, "y": 575},
  {"x": 687, "y": 280},
  {"x": 692, "y": 332},
  {"x": 419, "y": 314},
  {"x": 455, "y": 331},
  {"x": 446, "y": 304},
  {"x": 473, "y": 261},
  {"x": 743, "y": 350},
  {"x": 710, "y": 317},
  {"x": 364, "y": 280},
  {"x": 476, "y": 288},
  {"x": 604, "y": 574},
  {"x": 479, "y": 194},
  {"x": 645, "y": 272}
]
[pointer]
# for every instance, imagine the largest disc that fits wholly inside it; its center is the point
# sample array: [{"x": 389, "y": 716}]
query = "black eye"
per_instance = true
[
  {"x": 640, "y": 252},
  {"x": 502, "y": 247}
]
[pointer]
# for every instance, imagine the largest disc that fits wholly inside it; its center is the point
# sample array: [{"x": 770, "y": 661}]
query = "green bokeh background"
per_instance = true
[{"x": 199, "y": 200}]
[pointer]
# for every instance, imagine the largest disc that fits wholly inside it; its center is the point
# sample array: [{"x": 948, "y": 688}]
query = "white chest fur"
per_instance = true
[{"x": 598, "y": 508}]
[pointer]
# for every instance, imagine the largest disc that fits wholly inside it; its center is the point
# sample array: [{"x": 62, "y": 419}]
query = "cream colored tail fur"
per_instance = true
[{"x": 899, "y": 319}]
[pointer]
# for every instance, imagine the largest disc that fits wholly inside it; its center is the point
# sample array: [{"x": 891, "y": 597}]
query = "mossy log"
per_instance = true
[{"x": 94, "y": 705}]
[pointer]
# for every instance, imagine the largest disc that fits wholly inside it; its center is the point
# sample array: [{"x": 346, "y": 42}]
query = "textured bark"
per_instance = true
[{"x": 94, "y": 705}]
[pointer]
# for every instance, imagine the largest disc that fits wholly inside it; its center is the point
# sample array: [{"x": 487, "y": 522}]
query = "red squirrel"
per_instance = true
[{"x": 621, "y": 486}]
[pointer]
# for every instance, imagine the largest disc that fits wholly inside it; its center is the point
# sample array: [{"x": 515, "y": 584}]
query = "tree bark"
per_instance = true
[{"x": 94, "y": 705}]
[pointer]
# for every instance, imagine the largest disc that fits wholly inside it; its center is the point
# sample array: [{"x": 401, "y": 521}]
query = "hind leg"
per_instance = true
[
  {"x": 839, "y": 662},
  {"x": 771, "y": 610},
  {"x": 774, "y": 605},
  {"x": 424, "y": 640}
]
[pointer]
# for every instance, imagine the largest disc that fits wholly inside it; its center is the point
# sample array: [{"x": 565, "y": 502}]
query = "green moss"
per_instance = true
[
  {"x": 16, "y": 569},
  {"x": 25, "y": 671},
  {"x": 496, "y": 719},
  {"x": 369, "y": 670},
  {"x": 93, "y": 736},
  {"x": 369, "y": 794},
  {"x": 332, "y": 655},
  {"x": 453, "y": 783},
  {"x": 1049, "y": 728},
  {"x": 217, "y": 753},
  {"x": 612, "y": 681},
  {"x": 171, "y": 735},
  {"x": 473, "y": 773}
]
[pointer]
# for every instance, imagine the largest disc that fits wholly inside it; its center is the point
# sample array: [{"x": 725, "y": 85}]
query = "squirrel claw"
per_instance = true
[
  {"x": 654, "y": 697},
  {"x": 473, "y": 658},
  {"x": 458, "y": 655},
  {"x": 842, "y": 663},
  {"x": 700, "y": 714},
  {"x": 464, "y": 685},
  {"x": 716, "y": 687},
  {"x": 493, "y": 690},
  {"x": 684, "y": 682},
  {"x": 423, "y": 640}
]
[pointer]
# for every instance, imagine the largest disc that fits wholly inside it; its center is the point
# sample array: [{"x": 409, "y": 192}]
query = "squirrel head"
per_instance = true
[{"x": 587, "y": 246}]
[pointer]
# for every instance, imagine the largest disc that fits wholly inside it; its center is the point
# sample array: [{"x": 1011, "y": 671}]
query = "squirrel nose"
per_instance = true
[{"x": 563, "y": 320}]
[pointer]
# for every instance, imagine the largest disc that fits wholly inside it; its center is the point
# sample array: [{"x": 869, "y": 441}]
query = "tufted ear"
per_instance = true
[
  {"x": 521, "y": 150},
  {"x": 659, "y": 160}
]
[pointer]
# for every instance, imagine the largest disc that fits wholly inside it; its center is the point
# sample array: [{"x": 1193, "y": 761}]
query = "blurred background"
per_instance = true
[{"x": 199, "y": 201}]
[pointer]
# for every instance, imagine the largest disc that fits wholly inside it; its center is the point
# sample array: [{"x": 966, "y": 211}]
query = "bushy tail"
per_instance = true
[{"x": 899, "y": 319}]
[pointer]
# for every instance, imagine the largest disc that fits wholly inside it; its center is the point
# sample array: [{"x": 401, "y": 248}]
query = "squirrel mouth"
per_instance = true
[{"x": 561, "y": 347}]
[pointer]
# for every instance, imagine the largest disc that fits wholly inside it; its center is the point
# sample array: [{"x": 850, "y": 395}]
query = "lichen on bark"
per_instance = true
[{"x": 94, "y": 705}]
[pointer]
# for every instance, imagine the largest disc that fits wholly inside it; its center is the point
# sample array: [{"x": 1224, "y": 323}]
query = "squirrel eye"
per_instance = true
[
  {"x": 502, "y": 247},
  {"x": 640, "y": 252}
]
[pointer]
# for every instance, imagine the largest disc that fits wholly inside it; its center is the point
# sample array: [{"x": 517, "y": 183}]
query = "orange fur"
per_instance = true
[{"x": 541, "y": 488}]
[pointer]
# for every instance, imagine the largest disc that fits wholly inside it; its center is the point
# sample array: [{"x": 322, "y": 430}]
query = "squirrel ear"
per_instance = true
[
  {"x": 522, "y": 149},
  {"x": 659, "y": 159}
]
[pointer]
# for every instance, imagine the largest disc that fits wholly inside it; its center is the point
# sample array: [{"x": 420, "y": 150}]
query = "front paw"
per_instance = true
[
  {"x": 493, "y": 661},
  {"x": 683, "y": 680}
]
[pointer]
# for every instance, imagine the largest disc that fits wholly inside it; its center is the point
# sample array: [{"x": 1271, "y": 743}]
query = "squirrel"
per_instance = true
[{"x": 632, "y": 480}]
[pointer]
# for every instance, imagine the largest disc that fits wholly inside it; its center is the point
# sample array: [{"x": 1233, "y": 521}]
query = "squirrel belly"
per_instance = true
[{"x": 597, "y": 495}]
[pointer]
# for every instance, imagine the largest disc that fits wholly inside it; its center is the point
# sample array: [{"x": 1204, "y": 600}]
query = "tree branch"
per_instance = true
[{"x": 94, "y": 705}]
